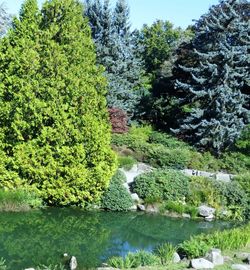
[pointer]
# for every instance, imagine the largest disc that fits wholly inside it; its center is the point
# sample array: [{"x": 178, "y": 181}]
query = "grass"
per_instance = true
[{"x": 18, "y": 200}]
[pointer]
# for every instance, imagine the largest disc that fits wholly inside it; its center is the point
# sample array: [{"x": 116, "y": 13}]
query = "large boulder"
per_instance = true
[
  {"x": 214, "y": 256},
  {"x": 201, "y": 263},
  {"x": 176, "y": 258},
  {"x": 73, "y": 263},
  {"x": 206, "y": 211},
  {"x": 240, "y": 267}
]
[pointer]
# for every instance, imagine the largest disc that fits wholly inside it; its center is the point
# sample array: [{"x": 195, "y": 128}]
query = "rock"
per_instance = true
[
  {"x": 151, "y": 208},
  {"x": 224, "y": 177},
  {"x": 176, "y": 258},
  {"x": 73, "y": 263},
  {"x": 242, "y": 255},
  {"x": 184, "y": 215},
  {"x": 201, "y": 263},
  {"x": 209, "y": 218},
  {"x": 135, "y": 197},
  {"x": 214, "y": 256},
  {"x": 29, "y": 269},
  {"x": 65, "y": 254},
  {"x": 240, "y": 267},
  {"x": 205, "y": 211},
  {"x": 141, "y": 207},
  {"x": 133, "y": 208},
  {"x": 248, "y": 259}
]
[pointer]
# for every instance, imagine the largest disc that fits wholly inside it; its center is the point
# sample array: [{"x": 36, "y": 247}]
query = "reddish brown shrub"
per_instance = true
[{"x": 118, "y": 119}]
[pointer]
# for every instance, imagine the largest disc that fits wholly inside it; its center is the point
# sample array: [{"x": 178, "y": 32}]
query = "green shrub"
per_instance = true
[
  {"x": 134, "y": 260},
  {"x": 180, "y": 208},
  {"x": 141, "y": 133},
  {"x": 161, "y": 184},
  {"x": 160, "y": 156},
  {"x": 166, "y": 253},
  {"x": 51, "y": 267},
  {"x": 231, "y": 239},
  {"x": 244, "y": 181},
  {"x": 18, "y": 200},
  {"x": 167, "y": 140},
  {"x": 202, "y": 190},
  {"x": 235, "y": 162},
  {"x": 126, "y": 162},
  {"x": 116, "y": 197}
]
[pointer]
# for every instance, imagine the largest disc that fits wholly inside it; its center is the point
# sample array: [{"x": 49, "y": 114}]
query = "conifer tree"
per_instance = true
[
  {"x": 117, "y": 53},
  {"x": 53, "y": 123},
  {"x": 214, "y": 82}
]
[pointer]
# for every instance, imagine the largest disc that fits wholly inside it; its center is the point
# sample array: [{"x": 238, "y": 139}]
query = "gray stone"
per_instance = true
[
  {"x": 141, "y": 207},
  {"x": 133, "y": 207},
  {"x": 248, "y": 259},
  {"x": 214, "y": 256},
  {"x": 209, "y": 218},
  {"x": 176, "y": 258},
  {"x": 242, "y": 255},
  {"x": 224, "y": 177},
  {"x": 135, "y": 197},
  {"x": 29, "y": 269},
  {"x": 240, "y": 267},
  {"x": 185, "y": 215},
  {"x": 73, "y": 263},
  {"x": 201, "y": 263},
  {"x": 151, "y": 208},
  {"x": 205, "y": 211}
]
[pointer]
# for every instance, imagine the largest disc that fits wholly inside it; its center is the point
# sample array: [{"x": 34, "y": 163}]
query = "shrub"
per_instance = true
[
  {"x": 166, "y": 253},
  {"x": 231, "y": 239},
  {"x": 244, "y": 181},
  {"x": 51, "y": 267},
  {"x": 180, "y": 208},
  {"x": 235, "y": 162},
  {"x": 167, "y": 140},
  {"x": 126, "y": 162},
  {"x": 202, "y": 190},
  {"x": 116, "y": 197},
  {"x": 119, "y": 120},
  {"x": 18, "y": 200},
  {"x": 134, "y": 260},
  {"x": 161, "y": 184}
]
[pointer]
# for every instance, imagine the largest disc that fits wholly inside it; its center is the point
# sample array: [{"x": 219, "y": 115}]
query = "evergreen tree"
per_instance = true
[
  {"x": 53, "y": 122},
  {"x": 214, "y": 81},
  {"x": 117, "y": 53}
]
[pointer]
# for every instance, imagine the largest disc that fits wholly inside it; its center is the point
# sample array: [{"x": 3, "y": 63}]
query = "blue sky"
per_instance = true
[{"x": 179, "y": 12}]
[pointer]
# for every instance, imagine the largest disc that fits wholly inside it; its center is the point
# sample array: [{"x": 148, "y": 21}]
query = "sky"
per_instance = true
[{"x": 179, "y": 12}]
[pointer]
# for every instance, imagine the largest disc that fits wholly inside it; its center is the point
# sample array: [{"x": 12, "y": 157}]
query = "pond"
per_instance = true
[{"x": 42, "y": 236}]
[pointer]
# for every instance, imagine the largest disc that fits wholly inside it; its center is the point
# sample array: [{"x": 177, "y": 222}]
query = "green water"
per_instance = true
[{"x": 41, "y": 237}]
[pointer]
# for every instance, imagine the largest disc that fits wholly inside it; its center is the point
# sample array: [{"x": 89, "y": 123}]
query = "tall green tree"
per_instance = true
[
  {"x": 54, "y": 127},
  {"x": 116, "y": 51},
  {"x": 216, "y": 111}
]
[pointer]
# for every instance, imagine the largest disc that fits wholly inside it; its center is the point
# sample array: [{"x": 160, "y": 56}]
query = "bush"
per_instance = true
[
  {"x": 18, "y": 200},
  {"x": 119, "y": 120},
  {"x": 167, "y": 140},
  {"x": 134, "y": 260},
  {"x": 203, "y": 191},
  {"x": 180, "y": 208},
  {"x": 235, "y": 162},
  {"x": 166, "y": 253},
  {"x": 126, "y": 162},
  {"x": 2, "y": 264},
  {"x": 161, "y": 184},
  {"x": 231, "y": 239},
  {"x": 244, "y": 181},
  {"x": 116, "y": 197}
]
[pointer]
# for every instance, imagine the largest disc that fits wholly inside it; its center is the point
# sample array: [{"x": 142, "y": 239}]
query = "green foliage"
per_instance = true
[
  {"x": 166, "y": 253},
  {"x": 51, "y": 267},
  {"x": 116, "y": 197},
  {"x": 134, "y": 260},
  {"x": 2, "y": 264},
  {"x": 244, "y": 181},
  {"x": 235, "y": 162},
  {"x": 180, "y": 208},
  {"x": 18, "y": 200},
  {"x": 54, "y": 130},
  {"x": 243, "y": 143},
  {"x": 161, "y": 184},
  {"x": 231, "y": 239},
  {"x": 126, "y": 162}
]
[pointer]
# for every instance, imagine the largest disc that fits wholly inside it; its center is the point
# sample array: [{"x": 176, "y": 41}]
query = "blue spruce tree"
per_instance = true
[
  {"x": 214, "y": 81},
  {"x": 115, "y": 48}
]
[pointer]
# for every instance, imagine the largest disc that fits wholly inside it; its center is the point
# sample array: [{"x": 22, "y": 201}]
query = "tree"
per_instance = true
[
  {"x": 216, "y": 110},
  {"x": 117, "y": 53},
  {"x": 53, "y": 123}
]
